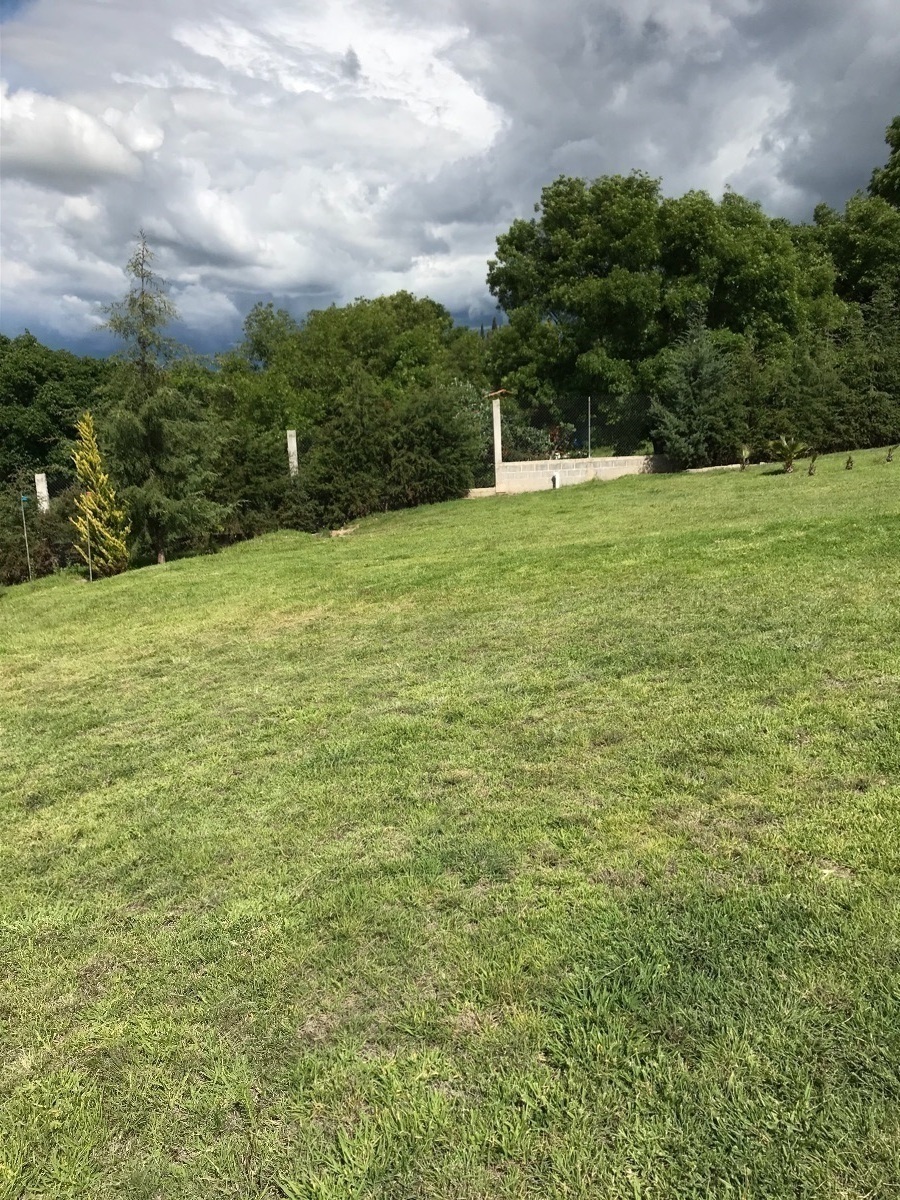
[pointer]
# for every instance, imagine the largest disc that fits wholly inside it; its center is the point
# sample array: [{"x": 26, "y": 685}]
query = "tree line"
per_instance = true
[{"x": 697, "y": 328}]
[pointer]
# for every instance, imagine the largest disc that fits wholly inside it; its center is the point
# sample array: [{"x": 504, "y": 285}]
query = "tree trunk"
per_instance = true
[{"x": 160, "y": 556}]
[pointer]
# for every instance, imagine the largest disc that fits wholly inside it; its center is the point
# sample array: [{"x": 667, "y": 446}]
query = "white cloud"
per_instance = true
[
  {"x": 58, "y": 145},
  {"x": 201, "y": 308},
  {"x": 315, "y": 152}
]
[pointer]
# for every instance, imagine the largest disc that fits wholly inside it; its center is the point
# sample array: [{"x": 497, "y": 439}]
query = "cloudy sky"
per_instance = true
[{"x": 311, "y": 152}]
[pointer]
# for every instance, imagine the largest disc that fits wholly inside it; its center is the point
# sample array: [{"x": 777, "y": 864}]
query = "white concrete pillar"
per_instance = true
[
  {"x": 43, "y": 496},
  {"x": 293, "y": 462},
  {"x": 498, "y": 433}
]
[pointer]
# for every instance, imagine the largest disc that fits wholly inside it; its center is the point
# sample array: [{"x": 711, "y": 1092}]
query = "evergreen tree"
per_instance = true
[
  {"x": 100, "y": 524},
  {"x": 871, "y": 369},
  {"x": 700, "y": 411},
  {"x": 162, "y": 441},
  {"x": 377, "y": 452},
  {"x": 243, "y": 410},
  {"x": 140, "y": 320}
]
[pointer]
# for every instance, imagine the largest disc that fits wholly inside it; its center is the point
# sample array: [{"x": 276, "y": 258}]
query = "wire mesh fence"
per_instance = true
[{"x": 592, "y": 426}]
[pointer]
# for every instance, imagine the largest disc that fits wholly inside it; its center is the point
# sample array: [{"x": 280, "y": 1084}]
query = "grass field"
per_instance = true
[{"x": 544, "y": 846}]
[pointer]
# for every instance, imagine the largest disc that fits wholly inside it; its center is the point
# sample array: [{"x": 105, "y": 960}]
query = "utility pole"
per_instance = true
[
  {"x": 87, "y": 527},
  {"x": 22, "y": 500},
  {"x": 589, "y": 427}
]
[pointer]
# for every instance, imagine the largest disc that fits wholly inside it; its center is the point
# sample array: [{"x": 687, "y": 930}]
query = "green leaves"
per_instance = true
[
  {"x": 603, "y": 285},
  {"x": 699, "y": 410},
  {"x": 620, "y": 273},
  {"x": 864, "y": 243},
  {"x": 379, "y": 452},
  {"x": 164, "y": 445},
  {"x": 141, "y": 318},
  {"x": 885, "y": 180},
  {"x": 163, "y": 441},
  {"x": 42, "y": 392},
  {"x": 788, "y": 450}
]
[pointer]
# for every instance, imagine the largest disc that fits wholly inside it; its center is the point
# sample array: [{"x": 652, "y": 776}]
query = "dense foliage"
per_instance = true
[
  {"x": 682, "y": 324},
  {"x": 161, "y": 439},
  {"x": 375, "y": 391},
  {"x": 607, "y": 287},
  {"x": 50, "y": 542},
  {"x": 43, "y": 392}
]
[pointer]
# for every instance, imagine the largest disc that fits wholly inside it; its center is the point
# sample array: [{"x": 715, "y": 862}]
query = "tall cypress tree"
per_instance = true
[
  {"x": 162, "y": 440},
  {"x": 141, "y": 318},
  {"x": 100, "y": 524}
]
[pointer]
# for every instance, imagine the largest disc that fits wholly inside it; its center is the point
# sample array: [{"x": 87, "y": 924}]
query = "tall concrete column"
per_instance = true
[
  {"x": 43, "y": 496},
  {"x": 498, "y": 433},
  {"x": 293, "y": 463}
]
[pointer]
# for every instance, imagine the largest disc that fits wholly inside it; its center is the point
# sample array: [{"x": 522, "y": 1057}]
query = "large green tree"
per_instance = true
[
  {"x": 42, "y": 393},
  {"x": 700, "y": 409},
  {"x": 372, "y": 389},
  {"x": 248, "y": 408},
  {"x": 864, "y": 245},
  {"x": 162, "y": 441},
  {"x": 377, "y": 451},
  {"x": 395, "y": 343},
  {"x": 611, "y": 273}
]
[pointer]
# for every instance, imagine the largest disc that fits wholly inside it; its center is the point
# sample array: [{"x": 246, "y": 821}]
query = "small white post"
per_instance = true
[
  {"x": 498, "y": 433},
  {"x": 293, "y": 462},
  {"x": 43, "y": 495}
]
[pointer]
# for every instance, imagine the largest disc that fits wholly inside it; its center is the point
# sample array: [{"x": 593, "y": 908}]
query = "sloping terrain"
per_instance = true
[{"x": 544, "y": 846}]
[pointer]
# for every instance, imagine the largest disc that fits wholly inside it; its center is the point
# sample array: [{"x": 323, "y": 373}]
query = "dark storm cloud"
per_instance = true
[
  {"x": 787, "y": 99},
  {"x": 842, "y": 63},
  {"x": 315, "y": 153}
]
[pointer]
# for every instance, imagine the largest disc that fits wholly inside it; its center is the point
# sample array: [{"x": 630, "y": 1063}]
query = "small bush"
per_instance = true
[
  {"x": 50, "y": 534},
  {"x": 788, "y": 450}
]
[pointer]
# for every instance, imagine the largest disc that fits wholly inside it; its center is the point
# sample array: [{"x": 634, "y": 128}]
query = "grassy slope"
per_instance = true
[{"x": 528, "y": 847}]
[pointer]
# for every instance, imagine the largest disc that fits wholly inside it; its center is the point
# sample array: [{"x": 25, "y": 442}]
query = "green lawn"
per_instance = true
[{"x": 544, "y": 846}]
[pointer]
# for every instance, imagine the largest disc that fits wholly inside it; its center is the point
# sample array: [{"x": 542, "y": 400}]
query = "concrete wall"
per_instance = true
[
  {"x": 558, "y": 472},
  {"x": 540, "y": 476}
]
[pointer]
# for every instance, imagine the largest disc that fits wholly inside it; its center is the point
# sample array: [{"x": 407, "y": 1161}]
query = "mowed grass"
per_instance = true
[{"x": 529, "y": 847}]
